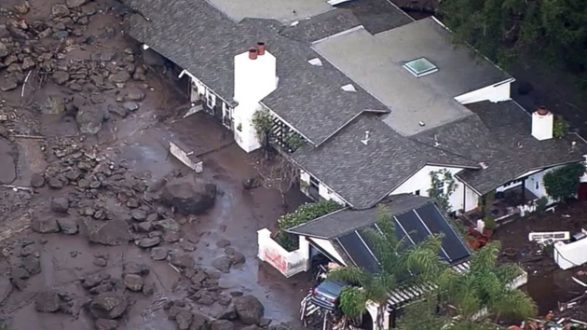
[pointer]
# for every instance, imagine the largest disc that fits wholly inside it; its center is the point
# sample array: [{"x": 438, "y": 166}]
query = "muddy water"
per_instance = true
[{"x": 7, "y": 162}]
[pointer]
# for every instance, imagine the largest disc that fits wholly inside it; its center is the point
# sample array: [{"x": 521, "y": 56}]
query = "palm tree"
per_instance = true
[
  {"x": 484, "y": 290},
  {"x": 399, "y": 264}
]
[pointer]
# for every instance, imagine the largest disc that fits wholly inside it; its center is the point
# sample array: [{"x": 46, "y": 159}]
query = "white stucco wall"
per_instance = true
[
  {"x": 535, "y": 183},
  {"x": 471, "y": 198},
  {"x": 494, "y": 93},
  {"x": 422, "y": 181}
]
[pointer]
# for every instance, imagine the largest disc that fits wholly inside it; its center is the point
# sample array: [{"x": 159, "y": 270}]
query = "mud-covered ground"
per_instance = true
[
  {"x": 547, "y": 283},
  {"x": 89, "y": 235}
]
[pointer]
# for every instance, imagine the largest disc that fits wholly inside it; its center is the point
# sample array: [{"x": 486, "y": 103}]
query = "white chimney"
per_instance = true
[
  {"x": 542, "y": 124},
  {"x": 255, "y": 77}
]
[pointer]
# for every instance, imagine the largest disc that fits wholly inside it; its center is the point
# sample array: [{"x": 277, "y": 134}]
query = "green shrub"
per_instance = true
[
  {"x": 559, "y": 128},
  {"x": 489, "y": 222},
  {"x": 541, "y": 204},
  {"x": 352, "y": 301},
  {"x": 302, "y": 214},
  {"x": 562, "y": 183}
]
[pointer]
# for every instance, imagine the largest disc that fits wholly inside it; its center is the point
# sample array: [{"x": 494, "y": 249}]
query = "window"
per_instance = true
[
  {"x": 211, "y": 100},
  {"x": 420, "y": 67},
  {"x": 417, "y": 192},
  {"x": 440, "y": 187}
]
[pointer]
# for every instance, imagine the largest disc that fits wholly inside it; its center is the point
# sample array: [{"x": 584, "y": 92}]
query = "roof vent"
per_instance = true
[
  {"x": 421, "y": 123},
  {"x": 294, "y": 23},
  {"x": 483, "y": 165},
  {"x": 365, "y": 141},
  {"x": 436, "y": 143},
  {"x": 349, "y": 88},
  {"x": 420, "y": 67},
  {"x": 315, "y": 61}
]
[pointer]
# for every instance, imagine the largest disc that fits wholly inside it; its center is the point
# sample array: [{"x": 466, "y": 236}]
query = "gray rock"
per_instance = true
[
  {"x": 148, "y": 288},
  {"x": 55, "y": 182},
  {"x": 47, "y": 302},
  {"x": 130, "y": 106},
  {"x": 93, "y": 280},
  {"x": 32, "y": 264},
  {"x": 7, "y": 83},
  {"x": 113, "y": 232},
  {"x": 75, "y": 3},
  {"x": 68, "y": 226},
  {"x": 138, "y": 215},
  {"x": 120, "y": 77},
  {"x": 143, "y": 227},
  {"x": 132, "y": 267},
  {"x": 189, "y": 197},
  {"x": 149, "y": 242},
  {"x": 54, "y": 105},
  {"x": 166, "y": 225},
  {"x": 222, "y": 243},
  {"x": 108, "y": 305},
  {"x": 59, "y": 10},
  {"x": 3, "y": 50},
  {"x": 159, "y": 253},
  {"x": 117, "y": 110},
  {"x": 37, "y": 180},
  {"x": 60, "y": 77},
  {"x": 133, "y": 282},
  {"x": 228, "y": 314},
  {"x": 199, "y": 321},
  {"x": 221, "y": 325},
  {"x": 222, "y": 264},
  {"x": 134, "y": 94},
  {"x": 103, "y": 324},
  {"x": 90, "y": 120},
  {"x": 44, "y": 225},
  {"x": 183, "y": 319},
  {"x": 249, "y": 309},
  {"x": 100, "y": 262},
  {"x": 235, "y": 256},
  {"x": 60, "y": 204},
  {"x": 181, "y": 260},
  {"x": 171, "y": 236}
]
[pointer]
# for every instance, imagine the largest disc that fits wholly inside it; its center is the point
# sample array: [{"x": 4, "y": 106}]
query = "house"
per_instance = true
[{"x": 365, "y": 111}]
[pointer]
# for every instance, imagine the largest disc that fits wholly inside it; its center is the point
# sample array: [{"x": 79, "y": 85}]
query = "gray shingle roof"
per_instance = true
[
  {"x": 322, "y": 26},
  {"x": 203, "y": 41},
  {"x": 365, "y": 174},
  {"x": 340, "y": 222}
]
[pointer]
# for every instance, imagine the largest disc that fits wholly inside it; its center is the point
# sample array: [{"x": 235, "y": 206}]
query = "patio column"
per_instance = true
[{"x": 524, "y": 191}]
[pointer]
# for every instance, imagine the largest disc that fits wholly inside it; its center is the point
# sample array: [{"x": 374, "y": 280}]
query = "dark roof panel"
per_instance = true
[
  {"x": 453, "y": 246},
  {"x": 355, "y": 247}
]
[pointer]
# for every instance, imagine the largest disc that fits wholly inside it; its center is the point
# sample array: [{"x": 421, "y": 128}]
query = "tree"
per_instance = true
[
  {"x": 552, "y": 30},
  {"x": 562, "y": 183},
  {"x": 400, "y": 264},
  {"x": 485, "y": 287},
  {"x": 262, "y": 123}
]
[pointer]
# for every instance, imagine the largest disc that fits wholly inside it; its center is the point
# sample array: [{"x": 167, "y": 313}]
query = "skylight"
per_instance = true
[
  {"x": 420, "y": 67},
  {"x": 315, "y": 61}
]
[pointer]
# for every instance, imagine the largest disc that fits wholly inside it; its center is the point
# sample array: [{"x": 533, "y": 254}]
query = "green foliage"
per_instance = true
[
  {"x": 562, "y": 183},
  {"x": 560, "y": 128},
  {"x": 541, "y": 204},
  {"x": 397, "y": 260},
  {"x": 441, "y": 196},
  {"x": 553, "y": 31},
  {"x": 422, "y": 315},
  {"x": 486, "y": 286},
  {"x": 302, "y": 214},
  {"x": 294, "y": 141},
  {"x": 489, "y": 222},
  {"x": 352, "y": 301},
  {"x": 262, "y": 123}
]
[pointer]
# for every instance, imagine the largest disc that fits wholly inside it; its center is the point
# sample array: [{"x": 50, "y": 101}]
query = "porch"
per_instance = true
[{"x": 501, "y": 205}]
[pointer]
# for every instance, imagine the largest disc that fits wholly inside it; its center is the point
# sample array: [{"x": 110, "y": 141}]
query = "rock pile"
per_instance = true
[
  {"x": 54, "y": 301},
  {"x": 24, "y": 258}
]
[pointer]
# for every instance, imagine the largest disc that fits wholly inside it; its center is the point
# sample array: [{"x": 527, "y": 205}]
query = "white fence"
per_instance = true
[
  {"x": 187, "y": 158},
  {"x": 286, "y": 262}
]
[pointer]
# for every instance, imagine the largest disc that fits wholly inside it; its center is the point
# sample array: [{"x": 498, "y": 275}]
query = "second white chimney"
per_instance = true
[{"x": 542, "y": 124}]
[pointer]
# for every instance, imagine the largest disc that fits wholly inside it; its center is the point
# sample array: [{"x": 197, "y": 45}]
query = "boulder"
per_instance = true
[
  {"x": 32, "y": 264},
  {"x": 221, "y": 325},
  {"x": 55, "y": 183},
  {"x": 166, "y": 225},
  {"x": 75, "y": 3},
  {"x": 132, "y": 267},
  {"x": 228, "y": 314},
  {"x": 47, "y": 302},
  {"x": 103, "y": 324},
  {"x": 113, "y": 232},
  {"x": 44, "y": 225},
  {"x": 120, "y": 77},
  {"x": 7, "y": 84},
  {"x": 59, "y": 204},
  {"x": 139, "y": 215},
  {"x": 67, "y": 226},
  {"x": 60, "y": 77},
  {"x": 59, "y": 10},
  {"x": 134, "y": 94},
  {"x": 3, "y": 50},
  {"x": 236, "y": 257},
  {"x": 181, "y": 260},
  {"x": 222, "y": 264},
  {"x": 54, "y": 105},
  {"x": 37, "y": 180},
  {"x": 93, "y": 280},
  {"x": 90, "y": 120},
  {"x": 148, "y": 242},
  {"x": 108, "y": 305},
  {"x": 199, "y": 321},
  {"x": 133, "y": 282},
  {"x": 131, "y": 106},
  {"x": 249, "y": 309},
  {"x": 189, "y": 197},
  {"x": 159, "y": 253},
  {"x": 148, "y": 288},
  {"x": 184, "y": 319}
]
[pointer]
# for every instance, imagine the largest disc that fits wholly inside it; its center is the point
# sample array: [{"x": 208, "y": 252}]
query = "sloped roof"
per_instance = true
[
  {"x": 202, "y": 40},
  {"x": 363, "y": 174}
]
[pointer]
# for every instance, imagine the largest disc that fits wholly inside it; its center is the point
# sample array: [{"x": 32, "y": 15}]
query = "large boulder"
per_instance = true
[
  {"x": 189, "y": 196},
  {"x": 68, "y": 226},
  {"x": 133, "y": 282},
  {"x": 90, "y": 120},
  {"x": 108, "y": 305},
  {"x": 47, "y": 302},
  {"x": 44, "y": 225},
  {"x": 249, "y": 309},
  {"x": 3, "y": 50},
  {"x": 60, "y": 204},
  {"x": 113, "y": 232}
]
